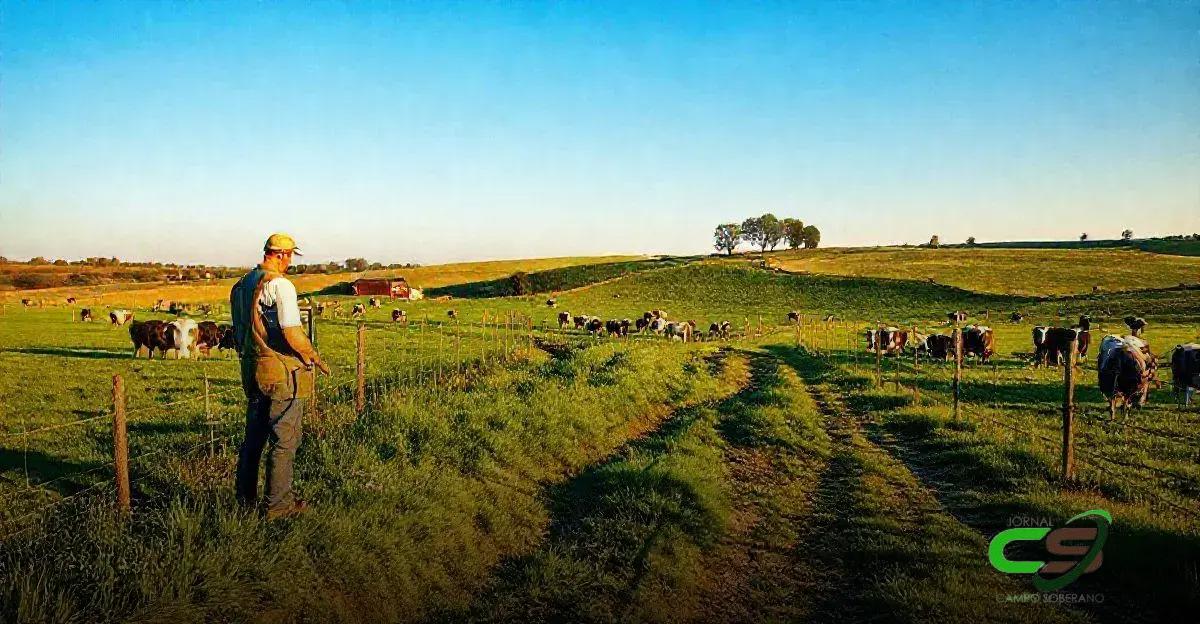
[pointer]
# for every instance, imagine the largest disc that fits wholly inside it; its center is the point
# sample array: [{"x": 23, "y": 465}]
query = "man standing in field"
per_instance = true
[{"x": 277, "y": 359}]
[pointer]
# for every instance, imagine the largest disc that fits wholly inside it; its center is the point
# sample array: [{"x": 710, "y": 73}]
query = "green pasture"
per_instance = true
[{"x": 506, "y": 469}]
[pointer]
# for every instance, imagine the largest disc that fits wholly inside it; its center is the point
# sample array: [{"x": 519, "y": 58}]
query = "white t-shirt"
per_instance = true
[{"x": 281, "y": 294}]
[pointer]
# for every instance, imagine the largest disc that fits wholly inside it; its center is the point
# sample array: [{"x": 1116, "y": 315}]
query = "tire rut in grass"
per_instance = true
[
  {"x": 888, "y": 549},
  {"x": 755, "y": 572}
]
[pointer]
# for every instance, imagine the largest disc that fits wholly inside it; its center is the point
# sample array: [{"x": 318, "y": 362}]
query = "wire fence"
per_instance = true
[
  {"x": 440, "y": 356},
  {"x": 1149, "y": 457},
  {"x": 433, "y": 356}
]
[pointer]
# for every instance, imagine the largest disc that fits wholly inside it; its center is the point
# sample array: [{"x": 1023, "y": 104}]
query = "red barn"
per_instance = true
[{"x": 386, "y": 287}]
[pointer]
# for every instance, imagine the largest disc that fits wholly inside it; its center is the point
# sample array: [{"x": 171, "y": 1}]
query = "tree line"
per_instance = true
[{"x": 766, "y": 232}]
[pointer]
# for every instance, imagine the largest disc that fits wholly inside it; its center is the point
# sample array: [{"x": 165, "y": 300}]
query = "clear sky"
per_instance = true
[{"x": 437, "y": 131}]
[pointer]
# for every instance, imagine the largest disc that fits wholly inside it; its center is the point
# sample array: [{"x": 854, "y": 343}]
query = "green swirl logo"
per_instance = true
[{"x": 1084, "y": 543}]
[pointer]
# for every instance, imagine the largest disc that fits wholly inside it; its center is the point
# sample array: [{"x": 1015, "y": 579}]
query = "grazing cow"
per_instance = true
[
  {"x": 625, "y": 324},
  {"x": 581, "y": 321},
  {"x": 1125, "y": 367},
  {"x": 177, "y": 308},
  {"x": 678, "y": 331},
  {"x": 564, "y": 320},
  {"x": 1185, "y": 371},
  {"x": 1052, "y": 344},
  {"x": 184, "y": 335},
  {"x": 658, "y": 325},
  {"x": 208, "y": 335},
  {"x": 1016, "y": 317},
  {"x": 358, "y": 310},
  {"x": 85, "y": 315},
  {"x": 939, "y": 346},
  {"x": 70, "y": 300},
  {"x": 612, "y": 327},
  {"x": 793, "y": 316},
  {"x": 892, "y": 339},
  {"x": 642, "y": 324},
  {"x": 958, "y": 316},
  {"x": 120, "y": 317},
  {"x": 151, "y": 335},
  {"x": 552, "y": 303},
  {"x": 648, "y": 316},
  {"x": 26, "y": 302},
  {"x": 228, "y": 338},
  {"x": 1085, "y": 335},
  {"x": 725, "y": 327},
  {"x": 1136, "y": 324},
  {"x": 594, "y": 325},
  {"x": 399, "y": 316},
  {"x": 453, "y": 314},
  {"x": 872, "y": 336},
  {"x": 714, "y": 331},
  {"x": 979, "y": 340},
  {"x": 374, "y": 303}
]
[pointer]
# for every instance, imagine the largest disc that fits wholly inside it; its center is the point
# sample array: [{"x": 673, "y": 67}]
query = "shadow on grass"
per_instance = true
[
  {"x": 89, "y": 354},
  {"x": 986, "y": 483},
  {"x": 604, "y": 525},
  {"x": 44, "y": 467}
]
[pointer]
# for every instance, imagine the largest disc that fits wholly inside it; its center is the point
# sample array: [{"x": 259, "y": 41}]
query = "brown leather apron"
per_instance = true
[{"x": 272, "y": 369}]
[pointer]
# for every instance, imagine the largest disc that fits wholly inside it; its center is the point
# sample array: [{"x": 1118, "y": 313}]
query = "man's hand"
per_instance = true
[{"x": 298, "y": 341}]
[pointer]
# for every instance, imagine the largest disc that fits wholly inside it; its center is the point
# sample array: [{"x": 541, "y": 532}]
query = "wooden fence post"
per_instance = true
[
  {"x": 958, "y": 361},
  {"x": 916, "y": 369},
  {"x": 879, "y": 356},
  {"x": 360, "y": 394},
  {"x": 212, "y": 432},
  {"x": 120, "y": 444},
  {"x": 1068, "y": 413}
]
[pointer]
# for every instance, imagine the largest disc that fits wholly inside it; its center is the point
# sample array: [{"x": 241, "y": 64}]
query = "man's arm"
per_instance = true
[{"x": 288, "y": 310}]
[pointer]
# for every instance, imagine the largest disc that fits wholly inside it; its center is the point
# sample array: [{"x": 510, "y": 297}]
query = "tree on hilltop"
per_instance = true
[
  {"x": 772, "y": 231},
  {"x": 727, "y": 236},
  {"x": 793, "y": 232},
  {"x": 812, "y": 237}
]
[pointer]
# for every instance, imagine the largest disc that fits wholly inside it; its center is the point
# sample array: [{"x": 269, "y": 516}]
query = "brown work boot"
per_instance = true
[{"x": 295, "y": 509}]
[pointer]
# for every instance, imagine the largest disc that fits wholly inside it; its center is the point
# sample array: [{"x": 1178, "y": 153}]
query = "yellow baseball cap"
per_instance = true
[{"x": 281, "y": 242}]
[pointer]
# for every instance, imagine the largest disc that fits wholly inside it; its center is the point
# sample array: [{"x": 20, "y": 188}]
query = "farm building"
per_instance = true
[{"x": 387, "y": 287}]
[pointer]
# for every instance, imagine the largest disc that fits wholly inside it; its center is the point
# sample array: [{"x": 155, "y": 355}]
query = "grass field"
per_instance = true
[
  {"x": 217, "y": 291},
  {"x": 1004, "y": 271},
  {"x": 531, "y": 474}
]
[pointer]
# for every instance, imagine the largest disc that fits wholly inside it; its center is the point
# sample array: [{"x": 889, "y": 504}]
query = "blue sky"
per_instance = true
[{"x": 429, "y": 132}]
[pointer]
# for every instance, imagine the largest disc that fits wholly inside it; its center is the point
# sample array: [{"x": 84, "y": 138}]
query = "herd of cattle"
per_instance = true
[
  {"x": 185, "y": 337},
  {"x": 1125, "y": 365},
  {"x": 651, "y": 322}
]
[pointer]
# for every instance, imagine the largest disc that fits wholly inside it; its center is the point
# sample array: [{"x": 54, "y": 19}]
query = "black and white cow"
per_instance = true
[
  {"x": 1125, "y": 368},
  {"x": 1136, "y": 324},
  {"x": 1185, "y": 371}
]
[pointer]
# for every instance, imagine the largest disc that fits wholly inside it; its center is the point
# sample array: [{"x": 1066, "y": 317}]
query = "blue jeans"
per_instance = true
[{"x": 279, "y": 424}]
